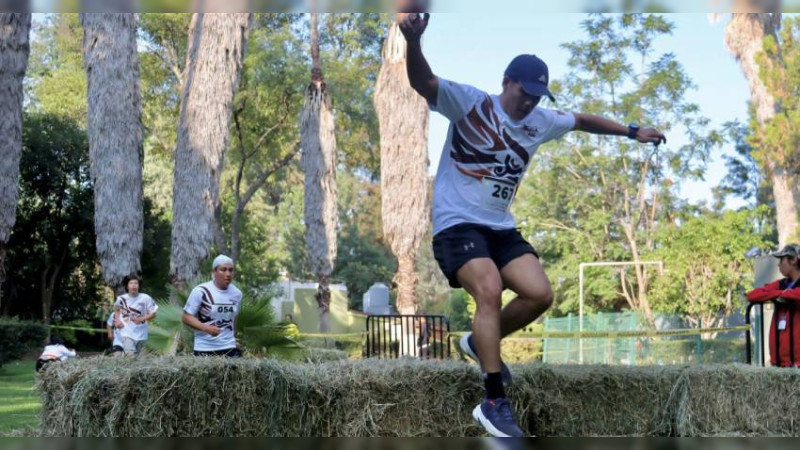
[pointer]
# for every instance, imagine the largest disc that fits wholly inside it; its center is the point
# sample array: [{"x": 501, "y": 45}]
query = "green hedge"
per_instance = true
[
  {"x": 351, "y": 344},
  {"x": 19, "y": 337}
]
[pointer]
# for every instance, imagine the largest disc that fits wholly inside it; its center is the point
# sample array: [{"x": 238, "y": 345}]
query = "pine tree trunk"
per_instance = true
[
  {"x": 111, "y": 62},
  {"x": 403, "y": 118},
  {"x": 14, "y": 51},
  {"x": 318, "y": 143},
  {"x": 217, "y": 46}
]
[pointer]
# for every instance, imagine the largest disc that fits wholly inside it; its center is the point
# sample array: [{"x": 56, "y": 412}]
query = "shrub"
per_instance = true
[{"x": 19, "y": 337}]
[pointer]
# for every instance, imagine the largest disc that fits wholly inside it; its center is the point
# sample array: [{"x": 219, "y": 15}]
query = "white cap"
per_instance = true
[{"x": 221, "y": 260}]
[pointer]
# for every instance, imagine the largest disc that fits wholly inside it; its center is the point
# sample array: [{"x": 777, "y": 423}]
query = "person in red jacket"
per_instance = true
[{"x": 784, "y": 348}]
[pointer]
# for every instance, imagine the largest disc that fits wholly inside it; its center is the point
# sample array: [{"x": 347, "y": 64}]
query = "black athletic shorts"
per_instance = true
[
  {"x": 457, "y": 245},
  {"x": 230, "y": 353}
]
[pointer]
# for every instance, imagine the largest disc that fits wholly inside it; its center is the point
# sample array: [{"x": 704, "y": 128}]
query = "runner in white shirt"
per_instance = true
[
  {"x": 56, "y": 351},
  {"x": 132, "y": 311},
  {"x": 211, "y": 310},
  {"x": 490, "y": 143},
  {"x": 113, "y": 335}
]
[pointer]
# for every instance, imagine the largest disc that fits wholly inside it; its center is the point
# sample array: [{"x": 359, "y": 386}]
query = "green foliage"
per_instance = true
[
  {"x": 350, "y": 46},
  {"x": 363, "y": 257},
  {"x": 162, "y": 57},
  {"x": 618, "y": 192},
  {"x": 706, "y": 265},
  {"x": 55, "y": 79},
  {"x": 779, "y": 139},
  {"x": 155, "y": 251},
  {"x": 457, "y": 312},
  {"x": 52, "y": 246},
  {"x": 18, "y": 338}
]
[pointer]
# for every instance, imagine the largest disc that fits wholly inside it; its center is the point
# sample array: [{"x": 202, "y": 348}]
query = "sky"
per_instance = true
[{"x": 475, "y": 48}]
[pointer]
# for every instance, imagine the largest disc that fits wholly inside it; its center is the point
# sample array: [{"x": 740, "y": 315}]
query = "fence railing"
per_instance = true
[{"x": 416, "y": 336}]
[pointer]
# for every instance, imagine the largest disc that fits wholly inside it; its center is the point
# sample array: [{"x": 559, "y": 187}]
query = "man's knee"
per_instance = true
[
  {"x": 541, "y": 299},
  {"x": 487, "y": 296}
]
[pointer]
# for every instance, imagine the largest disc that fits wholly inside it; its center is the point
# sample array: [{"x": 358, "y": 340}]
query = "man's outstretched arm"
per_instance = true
[
  {"x": 600, "y": 125},
  {"x": 419, "y": 72}
]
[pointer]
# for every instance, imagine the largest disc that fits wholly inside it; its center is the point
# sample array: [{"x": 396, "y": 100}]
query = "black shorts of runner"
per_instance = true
[
  {"x": 457, "y": 245},
  {"x": 230, "y": 353}
]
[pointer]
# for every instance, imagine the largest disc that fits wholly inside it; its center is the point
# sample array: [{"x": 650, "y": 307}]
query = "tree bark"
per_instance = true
[
  {"x": 318, "y": 142},
  {"x": 217, "y": 46},
  {"x": 403, "y": 119},
  {"x": 115, "y": 142},
  {"x": 14, "y": 52}
]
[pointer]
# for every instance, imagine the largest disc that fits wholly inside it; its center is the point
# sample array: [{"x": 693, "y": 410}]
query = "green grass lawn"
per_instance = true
[{"x": 19, "y": 401}]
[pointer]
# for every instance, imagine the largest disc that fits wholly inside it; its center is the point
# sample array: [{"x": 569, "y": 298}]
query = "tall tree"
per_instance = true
[
  {"x": 14, "y": 51},
  {"x": 318, "y": 143},
  {"x": 403, "y": 118},
  {"x": 216, "y": 51},
  {"x": 744, "y": 36},
  {"x": 115, "y": 142}
]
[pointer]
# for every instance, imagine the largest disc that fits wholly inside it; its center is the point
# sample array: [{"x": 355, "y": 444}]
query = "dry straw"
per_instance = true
[{"x": 219, "y": 397}]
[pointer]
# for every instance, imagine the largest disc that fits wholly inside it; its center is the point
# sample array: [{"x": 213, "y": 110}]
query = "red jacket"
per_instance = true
[{"x": 780, "y": 341}]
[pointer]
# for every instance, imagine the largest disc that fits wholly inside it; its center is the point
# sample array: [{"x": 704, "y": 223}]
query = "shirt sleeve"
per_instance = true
[
  {"x": 110, "y": 321},
  {"x": 561, "y": 124},
  {"x": 193, "y": 302},
  {"x": 454, "y": 100},
  {"x": 118, "y": 304},
  {"x": 765, "y": 293},
  {"x": 152, "y": 306}
]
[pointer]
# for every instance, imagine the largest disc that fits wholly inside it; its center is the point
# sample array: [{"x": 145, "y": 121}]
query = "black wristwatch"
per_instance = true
[{"x": 633, "y": 129}]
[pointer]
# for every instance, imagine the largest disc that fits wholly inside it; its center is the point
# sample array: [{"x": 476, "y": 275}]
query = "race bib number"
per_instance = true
[
  {"x": 497, "y": 194},
  {"x": 222, "y": 312}
]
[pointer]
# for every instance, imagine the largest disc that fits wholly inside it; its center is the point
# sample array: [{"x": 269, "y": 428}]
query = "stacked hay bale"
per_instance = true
[{"x": 220, "y": 397}]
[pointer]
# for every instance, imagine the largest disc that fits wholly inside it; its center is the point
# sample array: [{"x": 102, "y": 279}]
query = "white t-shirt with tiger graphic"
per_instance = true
[
  {"x": 213, "y": 306},
  {"x": 131, "y": 307},
  {"x": 485, "y": 156}
]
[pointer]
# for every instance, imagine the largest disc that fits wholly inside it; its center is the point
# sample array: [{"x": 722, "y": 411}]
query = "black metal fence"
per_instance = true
[{"x": 418, "y": 336}]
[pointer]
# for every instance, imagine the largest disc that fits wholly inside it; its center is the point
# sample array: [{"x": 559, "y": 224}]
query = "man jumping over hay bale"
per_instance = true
[
  {"x": 786, "y": 294},
  {"x": 211, "y": 310},
  {"x": 490, "y": 143}
]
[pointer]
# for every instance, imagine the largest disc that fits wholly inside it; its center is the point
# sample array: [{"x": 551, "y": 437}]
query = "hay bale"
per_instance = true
[
  {"x": 597, "y": 400},
  {"x": 186, "y": 396},
  {"x": 739, "y": 400}
]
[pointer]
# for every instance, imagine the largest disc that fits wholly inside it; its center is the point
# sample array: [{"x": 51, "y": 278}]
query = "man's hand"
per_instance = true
[
  {"x": 212, "y": 330},
  {"x": 119, "y": 323},
  {"x": 414, "y": 25},
  {"x": 651, "y": 136}
]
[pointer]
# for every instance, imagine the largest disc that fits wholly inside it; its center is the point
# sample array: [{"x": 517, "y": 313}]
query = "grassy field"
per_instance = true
[{"x": 19, "y": 402}]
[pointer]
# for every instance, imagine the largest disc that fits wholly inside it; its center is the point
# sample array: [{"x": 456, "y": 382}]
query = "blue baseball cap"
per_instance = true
[{"x": 532, "y": 73}]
